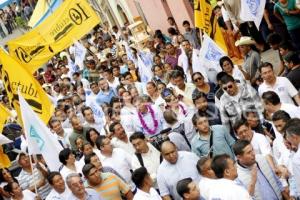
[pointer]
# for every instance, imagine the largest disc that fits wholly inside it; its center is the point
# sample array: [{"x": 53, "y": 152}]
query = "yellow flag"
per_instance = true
[
  {"x": 205, "y": 20},
  {"x": 4, "y": 160},
  {"x": 16, "y": 77},
  {"x": 72, "y": 20},
  {"x": 4, "y": 114}
]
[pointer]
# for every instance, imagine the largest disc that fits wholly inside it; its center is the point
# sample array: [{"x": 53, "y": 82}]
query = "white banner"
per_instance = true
[
  {"x": 252, "y": 10},
  {"x": 197, "y": 65},
  {"x": 80, "y": 52},
  {"x": 97, "y": 110},
  {"x": 144, "y": 65},
  {"x": 39, "y": 138},
  {"x": 210, "y": 54}
]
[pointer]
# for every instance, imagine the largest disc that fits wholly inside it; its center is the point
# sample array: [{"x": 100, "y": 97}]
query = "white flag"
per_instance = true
[
  {"x": 197, "y": 64},
  {"x": 144, "y": 65},
  {"x": 80, "y": 52},
  {"x": 252, "y": 10},
  {"x": 39, "y": 138},
  {"x": 210, "y": 54}
]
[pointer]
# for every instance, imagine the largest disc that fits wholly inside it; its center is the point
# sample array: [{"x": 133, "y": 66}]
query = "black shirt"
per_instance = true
[{"x": 294, "y": 77}]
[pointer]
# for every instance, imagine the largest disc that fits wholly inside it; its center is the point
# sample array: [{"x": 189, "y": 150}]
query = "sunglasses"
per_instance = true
[
  {"x": 198, "y": 79},
  {"x": 228, "y": 87}
]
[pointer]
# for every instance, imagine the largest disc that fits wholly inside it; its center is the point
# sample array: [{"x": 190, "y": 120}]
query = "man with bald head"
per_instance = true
[{"x": 176, "y": 165}]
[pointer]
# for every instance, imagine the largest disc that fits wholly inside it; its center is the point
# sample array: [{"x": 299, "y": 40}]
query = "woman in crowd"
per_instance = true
[{"x": 207, "y": 88}]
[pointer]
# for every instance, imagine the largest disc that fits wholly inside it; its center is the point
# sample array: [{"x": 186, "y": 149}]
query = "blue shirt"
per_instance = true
[
  {"x": 105, "y": 97},
  {"x": 265, "y": 189},
  {"x": 221, "y": 143}
]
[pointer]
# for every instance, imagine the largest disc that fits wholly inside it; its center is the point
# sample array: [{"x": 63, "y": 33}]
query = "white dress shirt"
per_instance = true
[
  {"x": 123, "y": 145},
  {"x": 120, "y": 161},
  {"x": 54, "y": 195},
  {"x": 260, "y": 144},
  {"x": 296, "y": 168},
  {"x": 141, "y": 195}
]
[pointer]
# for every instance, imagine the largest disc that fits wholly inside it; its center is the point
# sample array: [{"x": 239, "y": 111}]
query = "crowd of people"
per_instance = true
[{"x": 181, "y": 134}]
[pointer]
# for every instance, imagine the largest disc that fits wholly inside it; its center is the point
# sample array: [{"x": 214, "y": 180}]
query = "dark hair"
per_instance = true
[
  {"x": 201, "y": 162},
  {"x": 219, "y": 164},
  {"x": 138, "y": 176},
  {"x": 1, "y": 174},
  {"x": 87, "y": 168},
  {"x": 197, "y": 95},
  {"x": 9, "y": 186},
  {"x": 239, "y": 123},
  {"x": 195, "y": 73},
  {"x": 171, "y": 18},
  {"x": 172, "y": 31},
  {"x": 88, "y": 135},
  {"x": 239, "y": 146},
  {"x": 53, "y": 120},
  {"x": 51, "y": 175},
  {"x": 286, "y": 45},
  {"x": 292, "y": 57},
  {"x": 185, "y": 22},
  {"x": 197, "y": 116},
  {"x": 292, "y": 127},
  {"x": 274, "y": 38},
  {"x": 137, "y": 135},
  {"x": 271, "y": 97},
  {"x": 223, "y": 59},
  {"x": 177, "y": 73},
  {"x": 220, "y": 75},
  {"x": 87, "y": 158},
  {"x": 281, "y": 115},
  {"x": 265, "y": 65},
  {"x": 99, "y": 141},
  {"x": 84, "y": 108},
  {"x": 226, "y": 79},
  {"x": 64, "y": 155},
  {"x": 112, "y": 126},
  {"x": 182, "y": 186}
]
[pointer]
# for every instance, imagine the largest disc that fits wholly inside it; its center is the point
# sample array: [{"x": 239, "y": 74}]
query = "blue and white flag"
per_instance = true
[
  {"x": 39, "y": 138},
  {"x": 79, "y": 54},
  {"x": 209, "y": 55},
  {"x": 97, "y": 110},
  {"x": 252, "y": 10},
  {"x": 144, "y": 66},
  {"x": 129, "y": 53}
]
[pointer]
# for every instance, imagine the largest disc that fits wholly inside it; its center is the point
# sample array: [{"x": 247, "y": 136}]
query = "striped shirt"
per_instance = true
[
  {"x": 111, "y": 187},
  {"x": 27, "y": 180}
]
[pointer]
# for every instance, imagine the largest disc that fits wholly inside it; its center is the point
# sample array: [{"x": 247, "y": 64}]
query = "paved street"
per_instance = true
[{"x": 16, "y": 33}]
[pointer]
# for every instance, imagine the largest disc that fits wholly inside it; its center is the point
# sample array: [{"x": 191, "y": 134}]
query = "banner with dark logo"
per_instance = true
[
  {"x": 15, "y": 77},
  {"x": 72, "y": 20}
]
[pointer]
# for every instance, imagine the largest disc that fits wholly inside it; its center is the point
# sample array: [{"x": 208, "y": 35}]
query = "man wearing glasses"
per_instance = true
[{"x": 236, "y": 100}]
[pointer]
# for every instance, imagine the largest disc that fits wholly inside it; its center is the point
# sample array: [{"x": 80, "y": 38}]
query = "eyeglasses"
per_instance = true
[
  {"x": 228, "y": 87},
  {"x": 198, "y": 79}
]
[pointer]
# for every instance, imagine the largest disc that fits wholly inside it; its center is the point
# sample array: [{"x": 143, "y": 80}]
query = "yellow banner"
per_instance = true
[
  {"x": 72, "y": 20},
  {"x": 16, "y": 77},
  {"x": 4, "y": 115},
  {"x": 204, "y": 19}
]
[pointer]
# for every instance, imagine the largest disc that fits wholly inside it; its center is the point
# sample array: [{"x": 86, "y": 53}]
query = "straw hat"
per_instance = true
[{"x": 245, "y": 40}]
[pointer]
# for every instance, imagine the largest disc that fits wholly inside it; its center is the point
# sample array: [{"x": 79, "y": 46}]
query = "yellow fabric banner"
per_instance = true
[
  {"x": 39, "y": 10},
  {"x": 4, "y": 115},
  {"x": 72, "y": 20},
  {"x": 16, "y": 77},
  {"x": 205, "y": 20},
  {"x": 4, "y": 160}
]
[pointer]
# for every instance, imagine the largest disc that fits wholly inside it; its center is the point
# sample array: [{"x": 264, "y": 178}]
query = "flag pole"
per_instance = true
[{"x": 31, "y": 165}]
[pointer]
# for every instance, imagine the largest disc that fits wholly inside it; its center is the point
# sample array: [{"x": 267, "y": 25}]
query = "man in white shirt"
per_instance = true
[
  {"x": 120, "y": 138},
  {"x": 258, "y": 141},
  {"x": 176, "y": 165},
  {"x": 91, "y": 121},
  {"x": 272, "y": 103},
  {"x": 188, "y": 189},
  {"x": 59, "y": 190},
  {"x": 225, "y": 186},
  {"x": 115, "y": 158},
  {"x": 145, "y": 155},
  {"x": 112, "y": 81},
  {"x": 61, "y": 133},
  {"x": 144, "y": 183},
  {"x": 281, "y": 85},
  {"x": 293, "y": 136}
]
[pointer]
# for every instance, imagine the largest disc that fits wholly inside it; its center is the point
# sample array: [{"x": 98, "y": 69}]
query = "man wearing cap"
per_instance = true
[
  {"x": 252, "y": 59},
  {"x": 31, "y": 178}
]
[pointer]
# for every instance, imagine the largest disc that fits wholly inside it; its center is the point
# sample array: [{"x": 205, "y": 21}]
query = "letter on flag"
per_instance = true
[
  {"x": 4, "y": 115},
  {"x": 253, "y": 10},
  {"x": 72, "y": 20},
  {"x": 39, "y": 138},
  {"x": 209, "y": 55},
  {"x": 16, "y": 77}
]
